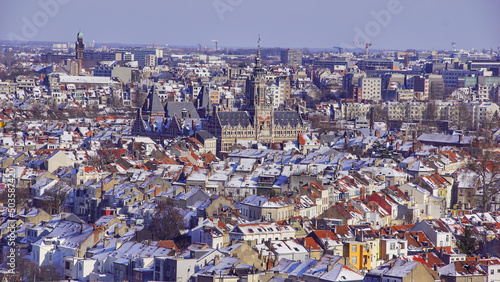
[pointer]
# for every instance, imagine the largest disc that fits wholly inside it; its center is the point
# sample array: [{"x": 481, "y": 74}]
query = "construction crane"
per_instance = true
[
  {"x": 340, "y": 49},
  {"x": 367, "y": 45},
  {"x": 216, "y": 41},
  {"x": 453, "y": 46}
]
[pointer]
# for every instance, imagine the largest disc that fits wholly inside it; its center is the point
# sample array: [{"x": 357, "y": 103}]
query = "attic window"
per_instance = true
[
  {"x": 296, "y": 249},
  {"x": 250, "y": 230}
]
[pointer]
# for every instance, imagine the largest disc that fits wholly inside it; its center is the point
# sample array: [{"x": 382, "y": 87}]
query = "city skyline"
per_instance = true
[{"x": 393, "y": 24}]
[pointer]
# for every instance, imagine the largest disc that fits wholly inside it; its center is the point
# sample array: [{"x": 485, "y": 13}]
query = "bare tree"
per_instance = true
[
  {"x": 463, "y": 116},
  {"x": 167, "y": 222},
  {"x": 116, "y": 102},
  {"x": 431, "y": 113},
  {"x": 55, "y": 200},
  {"x": 487, "y": 177},
  {"x": 28, "y": 270},
  {"x": 106, "y": 155},
  {"x": 22, "y": 197},
  {"x": 380, "y": 113},
  {"x": 138, "y": 98},
  {"x": 51, "y": 272}
]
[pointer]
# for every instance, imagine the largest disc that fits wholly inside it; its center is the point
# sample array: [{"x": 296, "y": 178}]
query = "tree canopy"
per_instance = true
[
  {"x": 467, "y": 243},
  {"x": 167, "y": 222},
  {"x": 487, "y": 177}
]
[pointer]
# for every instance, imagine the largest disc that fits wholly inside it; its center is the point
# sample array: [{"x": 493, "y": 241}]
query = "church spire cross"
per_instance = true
[{"x": 258, "y": 65}]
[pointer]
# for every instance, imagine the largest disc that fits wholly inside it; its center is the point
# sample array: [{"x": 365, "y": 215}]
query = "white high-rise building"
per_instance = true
[
  {"x": 370, "y": 88},
  {"x": 150, "y": 60}
]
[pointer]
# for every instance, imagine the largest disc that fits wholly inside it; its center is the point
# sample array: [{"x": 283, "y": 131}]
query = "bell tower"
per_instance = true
[
  {"x": 79, "y": 46},
  {"x": 262, "y": 102}
]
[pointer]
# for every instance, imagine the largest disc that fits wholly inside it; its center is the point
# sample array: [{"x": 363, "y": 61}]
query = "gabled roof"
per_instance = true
[
  {"x": 394, "y": 268},
  {"x": 462, "y": 268},
  {"x": 153, "y": 103}
]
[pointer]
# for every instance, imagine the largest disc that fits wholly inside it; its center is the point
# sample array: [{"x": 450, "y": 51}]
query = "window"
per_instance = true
[
  {"x": 492, "y": 271},
  {"x": 393, "y": 246},
  {"x": 354, "y": 248},
  {"x": 354, "y": 260}
]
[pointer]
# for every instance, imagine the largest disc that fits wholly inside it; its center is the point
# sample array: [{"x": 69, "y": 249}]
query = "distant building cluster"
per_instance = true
[{"x": 193, "y": 164}]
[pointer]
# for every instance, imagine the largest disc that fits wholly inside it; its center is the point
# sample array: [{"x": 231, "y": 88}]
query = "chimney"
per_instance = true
[
  {"x": 117, "y": 229},
  {"x": 216, "y": 260},
  {"x": 270, "y": 263},
  {"x": 106, "y": 242},
  {"x": 329, "y": 267},
  {"x": 118, "y": 244}
]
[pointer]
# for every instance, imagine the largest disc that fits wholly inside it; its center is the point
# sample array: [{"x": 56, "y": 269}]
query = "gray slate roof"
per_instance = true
[
  {"x": 153, "y": 103},
  {"x": 234, "y": 118},
  {"x": 173, "y": 108},
  {"x": 282, "y": 118},
  {"x": 203, "y": 135},
  {"x": 204, "y": 97}
]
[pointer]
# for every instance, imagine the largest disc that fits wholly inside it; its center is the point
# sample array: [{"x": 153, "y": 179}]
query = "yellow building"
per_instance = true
[
  {"x": 214, "y": 96},
  {"x": 359, "y": 254}
]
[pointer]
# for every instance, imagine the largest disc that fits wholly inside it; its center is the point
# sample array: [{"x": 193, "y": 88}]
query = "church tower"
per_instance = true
[
  {"x": 259, "y": 102},
  {"x": 79, "y": 46}
]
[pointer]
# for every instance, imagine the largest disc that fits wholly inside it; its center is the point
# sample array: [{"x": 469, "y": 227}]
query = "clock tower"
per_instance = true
[
  {"x": 79, "y": 46},
  {"x": 259, "y": 102}
]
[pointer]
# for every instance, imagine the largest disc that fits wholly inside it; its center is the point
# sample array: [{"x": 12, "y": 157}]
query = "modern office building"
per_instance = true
[{"x": 291, "y": 57}]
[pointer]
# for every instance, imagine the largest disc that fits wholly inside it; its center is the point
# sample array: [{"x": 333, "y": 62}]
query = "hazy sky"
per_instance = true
[{"x": 388, "y": 24}]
